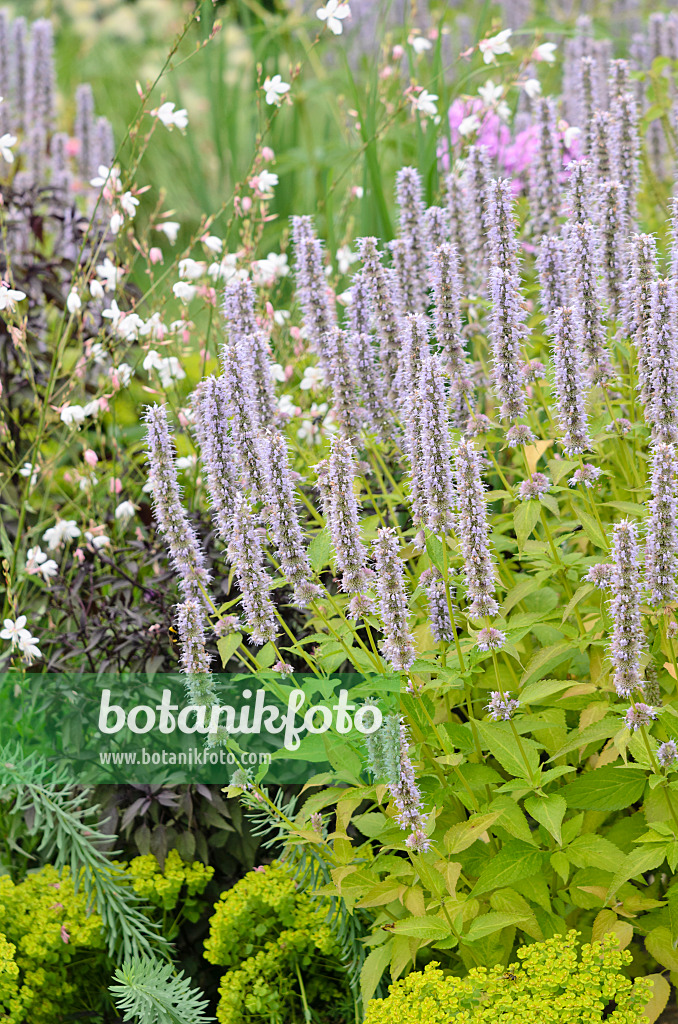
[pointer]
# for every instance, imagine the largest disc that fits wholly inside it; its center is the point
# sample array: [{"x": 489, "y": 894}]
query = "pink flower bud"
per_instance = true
[
  {"x": 115, "y": 485},
  {"x": 267, "y": 153},
  {"x": 79, "y": 554},
  {"x": 90, "y": 457},
  {"x": 246, "y": 203},
  {"x": 155, "y": 254},
  {"x": 398, "y": 51}
]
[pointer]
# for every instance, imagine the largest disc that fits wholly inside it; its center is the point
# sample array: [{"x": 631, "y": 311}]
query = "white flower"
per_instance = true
[
  {"x": 170, "y": 117},
  {"x": 310, "y": 428},
  {"x": 97, "y": 540},
  {"x": 264, "y": 182},
  {"x": 153, "y": 327},
  {"x": 281, "y": 316},
  {"x": 72, "y": 414},
  {"x": 6, "y": 142},
  {"x": 334, "y": 13},
  {"x": 125, "y": 511},
  {"x": 492, "y": 47},
  {"x": 490, "y": 93},
  {"x": 129, "y": 203},
  {"x": 63, "y": 530},
  {"x": 358, "y": 191},
  {"x": 546, "y": 52},
  {"x": 345, "y": 258},
  {"x": 420, "y": 43},
  {"x": 9, "y": 297},
  {"x": 123, "y": 373},
  {"x": 425, "y": 103},
  {"x": 213, "y": 243},
  {"x": 183, "y": 291},
  {"x": 28, "y": 469},
  {"x": 37, "y": 562},
  {"x": 287, "y": 407},
  {"x": 345, "y": 298},
  {"x": 96, "y": 289},
  {"x": 277, "y": 372},
  {"x": 170, "y": 228},
  {"x": 116, "y": 222},
  {"x": 185, "y": 462},
  {"x": 275, "y": 89},
  {"x": 266, "y": 272},
  {"x": 152, "y": 361},
  {"x": 569, "y": 135},
  {"x": 14, "y": 631},
  {"x": 191, "y": 269},
  {"x": 105, "y": 175},
  {"x": 169, "y": 370},
  {"x": 225, "y": 269},
  {"x": 109, "y": 274},
  {"x": 73, "y": 302},
  {"x": 125, "y": 325},
  {"x": 28, "y": 645},
  {"x": 313, "y": 378},
  {"x": 92, "y": 408},
  {"x": 532, "y": 87},
  {"x": 469, "y": 125}
]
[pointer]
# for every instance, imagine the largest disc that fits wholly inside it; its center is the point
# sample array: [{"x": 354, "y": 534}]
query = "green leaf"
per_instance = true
[
  {"x": 629, "y": 508},
  {"x": 425, "y": 928},
  {"x": 375, "y": 964},
  {"x": 646, "y": 858},
  {"x": 659, "y": 945},
  {"x": 558, "y": 468},
  {"x": 464, "y": 834},
  {"x": 514, "y": 861},
  {"x": 549, "y": 811},
  {"x": 661, "y": 990},
  {"x": 672, "y": 899},
  {"x": 594, "y": 851},
  {"x": 491, "y": 922},
  {"x": 539, "y": 692},
  {"x": 227, "y": 646},
  {"x": 581, "y": 593},
  {"x": 434, "y": 550},
  {"x": 609, "y": 788},
  {"x": 319, "y": 551},
  {"x": 522, "y": 590},
  {"x": 590, "y": 527},
  {"x": 525, "y": 518},
  {"x": 500, "y": 741},
  {"x": 546, "y": 659},
  {"x": 266, "y": 656},
  {"x": 601, "y": 730}
]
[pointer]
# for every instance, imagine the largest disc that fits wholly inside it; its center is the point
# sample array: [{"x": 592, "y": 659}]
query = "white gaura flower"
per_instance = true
[
  {"x": 213, "y": 243},
  {"x": 129, "y": 203},
  {"x": 71, "y": 414},
  {"x": 281, "y": 316},
  {"x": 124, "y": 512},
  {"x": 62, "y": 531},
  {"x": 313, "y": 379},
  {"x": 490, "y": 93},
  {"x": 266, "y": 272},
  {"x": 154, "y": 327},
  {"x": 14, "y": 630},
  {"x": 37, "y": 563},
  {"x": 345, "y": 258},
  {"x": 570, "y": 134},
  {"x": 170, "y": 228},
  {"x": 469, "y": 125},
  {"x": 123, "y": 374},
  {"x": 169, "y": 370},
  {"x": 310, "y": 428},
  {"x": 287, "y": 407},
  {"x": 73, "y": 302},
  {"x": 425, "y": 102},
  {"x": 277, "y": 372},
  {"x": 420, "y": 44},
  {"x": 109, "y": 274},
  {"x": 116, "y": 222},
  {"x": 264, "y": 182},
  {"x": 532, "y": 87},
  {"x": 184, "y": 292},
  {"x": 495, "y": 45},
  {"x": 96, "y": 289},
  {"x": 191, "y": 270},
  {"x": 97, "y": 540},
  {"x": 106, "y": 176},
  {"x": 28, "y": 645},
  {"x": 170, "y": 117},
  {"x": 545, "y": 52},
  {"x": 6, "y": 143},
  {"x": 274, "y": 90},
  {"x": 225, "y": 269},
  {"x": 152, "y": 361},
  {"x": 334, "y": 13},
  {"x": 92, "y": 408},
  {"x": 9, "y": 297},
  {"x": 185, "y": 462},
  {"x": 345, "y": 298},
  {"x": 28, "y": 469}
]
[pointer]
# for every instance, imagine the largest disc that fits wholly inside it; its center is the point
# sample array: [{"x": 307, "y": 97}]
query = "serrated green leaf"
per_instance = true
[
  {"x": 558, "y": 468},
  {"x": 659, "y": 945},
  {"x": 609, "y": 788},
  {"x": 525, "y": 518},
  {"x": 646, "y": 858},
  {"x": 546, "y": 659},
  {"x": 593, "y": 851},
  {"x": 434, "y": 550},
  {"x": 491, "y": 922},
  {"x": 601, "y": 730},
  {"x": 514, "y": 861},
  {"x": 459, "y": 837},
  {"x": 590, "y": 527},
  {"x": 425, "y": 928},
  {"x": 579, "y": 595},
  {"x": 549, "y": 811},
  {"x": 227, "y": 646},
  {"x": 498, "y": 738},
  {"x": 522, "y": 590},
  {"x": 319, "y": 551},
  {"x": 266, "y": 656},
  {"x": 376, "y": 962}
]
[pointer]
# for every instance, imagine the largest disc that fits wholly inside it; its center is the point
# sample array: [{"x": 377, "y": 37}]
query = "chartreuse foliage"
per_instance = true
[
  {"x": 549, "y": 986},
  {"x": 280, "y": 952}
]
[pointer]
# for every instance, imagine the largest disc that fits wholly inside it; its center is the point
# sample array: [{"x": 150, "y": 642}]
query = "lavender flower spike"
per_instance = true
[
  {"x": 195, "y": 660},
  {"x": 312, "y": 290},
  {"x": 437, "y": 227},
  {"x": 584, "y": 270},
  {"x": 283, "y": 518},
  {"x": 661, "y": 549},
  {"x": 237, "y": 388},
  {"x": 661, "y": 409},
  {"x": 398, "y": 644},
  {"x": 402, "y": 784},
  {"x": 181, "y": 538},
  {"x": 250, "y": 345},
  {"x": 216, "y": 449},
  {"x": 638, "y": 306},
  {"x": 413, "y": 231},
  {"x": 385, "y": 314},
  {"x": 447, "y": 314},
  {"x": 475, "y": 182},
  {"x": 246, "y": 555},
  {"x": 544, "y": 186},
  {"x": 436, "y": 452},
  {"x": 551, "y": 265},
  {"x": 438, "y": 612},
  {"x": 371, "y": 385},
  {"x": 625, "y": 150},
  {"x": 508, "y": 330},
  {"x": 474, "y": 532},
  {"x": 341, "y": 512},
  {"x": 612, "y": 240},
  {"x": 565, "y": 329},
  {"x": 456, "y": 206},
  {"x": 627, "y": 634},
  {"x": 344, "y": 388}
]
